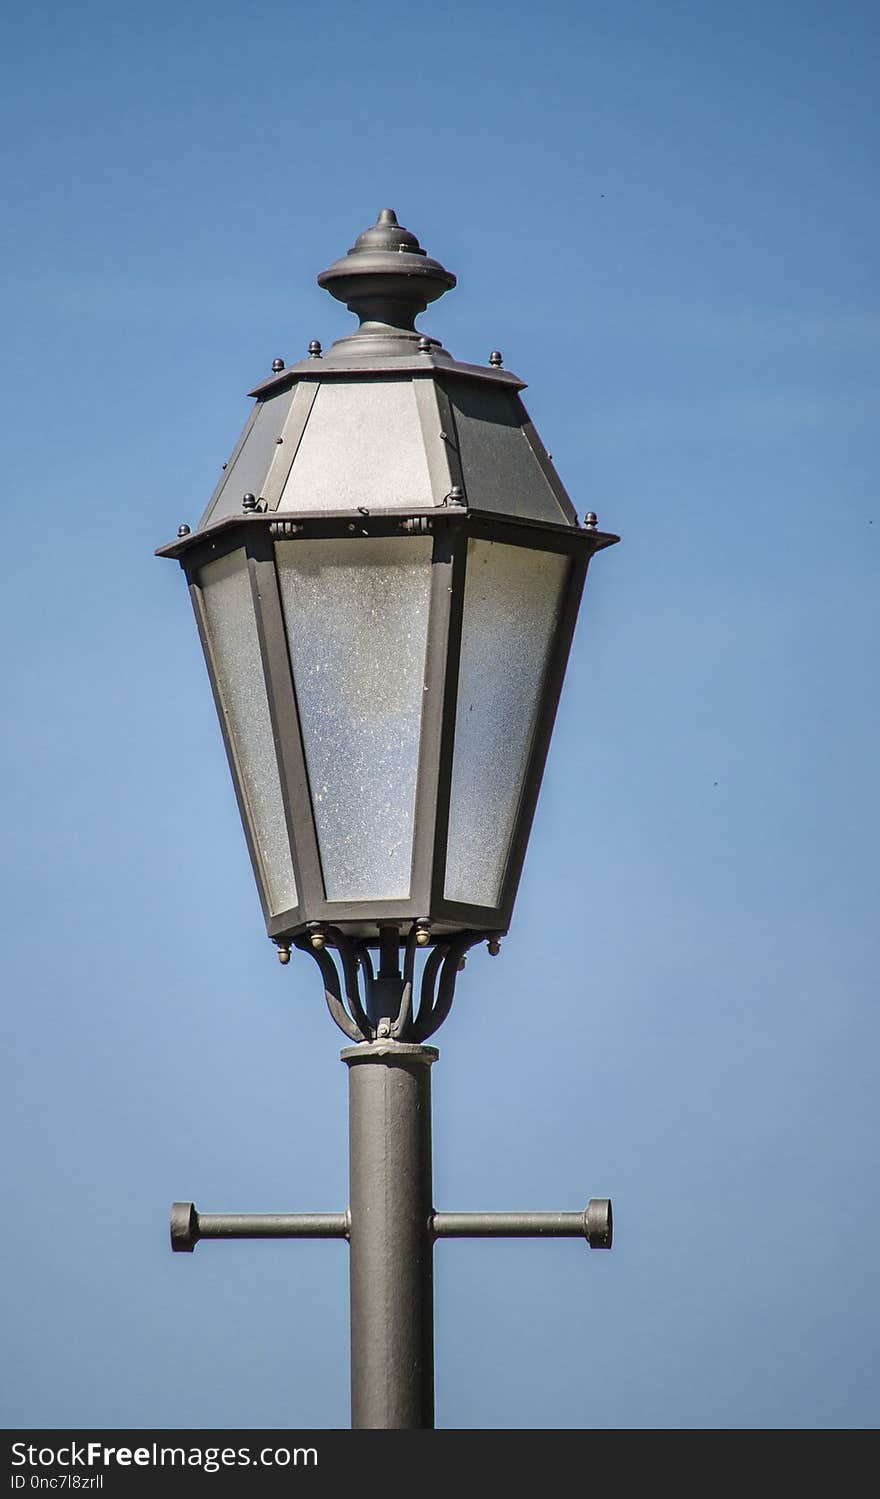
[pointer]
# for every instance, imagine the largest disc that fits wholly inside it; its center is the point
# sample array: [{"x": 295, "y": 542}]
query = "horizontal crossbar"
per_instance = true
[
  {"x": 188, "y": 1226},
  {"x": 594, "y": 1224}
]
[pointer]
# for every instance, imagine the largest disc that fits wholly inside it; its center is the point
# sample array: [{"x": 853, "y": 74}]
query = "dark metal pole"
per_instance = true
[{"x": 390, "y": 1233}]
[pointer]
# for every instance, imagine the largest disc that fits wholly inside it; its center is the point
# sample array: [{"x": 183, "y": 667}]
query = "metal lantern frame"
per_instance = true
[{"x": 451, "y": 529}]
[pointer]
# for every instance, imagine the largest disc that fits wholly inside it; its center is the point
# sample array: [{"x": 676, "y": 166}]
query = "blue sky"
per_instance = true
[{"x": 666, "y": 216}]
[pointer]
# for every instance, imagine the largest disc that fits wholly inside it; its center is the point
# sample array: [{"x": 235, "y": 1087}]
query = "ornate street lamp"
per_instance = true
[{"x": 386, "y": 582}]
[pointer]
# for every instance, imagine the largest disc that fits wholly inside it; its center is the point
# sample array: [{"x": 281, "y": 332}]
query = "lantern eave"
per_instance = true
[
  {"x": 236, "y": 529},
  {"x": 417, "y": 366}
]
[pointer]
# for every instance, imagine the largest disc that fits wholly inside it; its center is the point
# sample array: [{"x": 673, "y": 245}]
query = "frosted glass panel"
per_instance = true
[
  {"x": 511, "y": 607},
  {"x": 232, "y": 631},
  {"x": 362, "y": 445},
  {"x": 356, "y": 614}
]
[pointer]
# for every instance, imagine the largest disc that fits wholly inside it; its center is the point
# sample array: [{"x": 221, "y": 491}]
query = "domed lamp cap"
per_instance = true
[{"x": 386, "y": 280}]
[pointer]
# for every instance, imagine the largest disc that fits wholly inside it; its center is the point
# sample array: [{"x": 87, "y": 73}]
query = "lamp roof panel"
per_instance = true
[
  {"x": 246, "y": 471},
  {"x": 504, "y": 466},
  {"x": 363, "y": 445}
]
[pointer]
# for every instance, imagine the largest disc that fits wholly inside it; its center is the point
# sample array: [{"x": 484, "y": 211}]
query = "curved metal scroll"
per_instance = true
[
  {"x": 342, "y": 993},
  {"x": 401, "y": 1025},
  {"x": 436, "y": 1002},
  {"x": 332, "y": 990},
  {"x": 349, "y": 955}
]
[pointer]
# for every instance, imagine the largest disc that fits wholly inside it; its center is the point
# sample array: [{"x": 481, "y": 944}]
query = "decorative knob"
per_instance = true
[{"x": 386, "y": 278}]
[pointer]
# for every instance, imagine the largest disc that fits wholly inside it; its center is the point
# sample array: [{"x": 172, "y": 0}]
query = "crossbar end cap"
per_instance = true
[
  {"x": 184, "y": 1227},
  {"x": 599, "y": 1223}
]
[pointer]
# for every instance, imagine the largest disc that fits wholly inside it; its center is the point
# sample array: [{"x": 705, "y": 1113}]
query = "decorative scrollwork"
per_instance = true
[{"x": 358, "y": 1016}]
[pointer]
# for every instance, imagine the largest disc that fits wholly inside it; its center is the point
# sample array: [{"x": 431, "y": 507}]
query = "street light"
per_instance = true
[{"x": 386, "y": 582}]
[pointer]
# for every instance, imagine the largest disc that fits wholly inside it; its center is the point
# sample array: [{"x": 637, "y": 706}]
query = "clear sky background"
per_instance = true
[{"x": 666, "y": 216}]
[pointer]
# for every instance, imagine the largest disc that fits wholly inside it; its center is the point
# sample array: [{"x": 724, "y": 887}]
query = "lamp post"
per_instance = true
[{"x": 386, "y": 582}]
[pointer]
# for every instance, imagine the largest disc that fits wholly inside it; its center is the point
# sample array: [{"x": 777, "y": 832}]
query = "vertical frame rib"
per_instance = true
[{"x": 295, "y": 790}]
